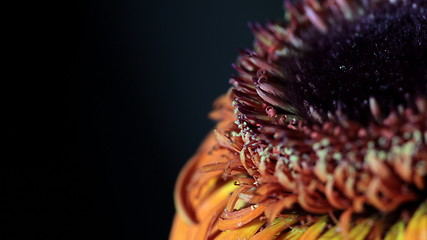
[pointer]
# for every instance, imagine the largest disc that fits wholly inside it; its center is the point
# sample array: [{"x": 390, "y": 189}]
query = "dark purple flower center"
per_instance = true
[{"x": 382, "y": 54}]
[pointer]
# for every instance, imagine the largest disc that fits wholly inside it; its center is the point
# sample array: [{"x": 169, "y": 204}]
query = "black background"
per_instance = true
[{"x": 104, "y": 103}]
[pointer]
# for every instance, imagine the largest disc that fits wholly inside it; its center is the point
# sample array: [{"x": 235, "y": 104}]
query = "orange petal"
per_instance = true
[
  {"x": 223, "y": 108},
  {"x": 241, "y": 218},
  {"x": 417, "y": 226},
  {"x": 191, "y": 181},
  {"x": 223, "y": 193},
  {"x": 334, "y": 197},
  {"x": 219, "y": 166},
  {"x": 244, "y": 232},
  {"x": 345, "y": 220},
  {"x": 244, "y": 161},
  {"x": 182, "y": 204},
  {"x": 273, "y": 210},
  {"x": 181, "y": 230},
  {"x": 227, "y": 142},
  {"x": 310, "y": 204},
  {"x": 263, "y": 192},
  {"x": 202, "y": 188},
  {"x": 283, "y": 178},
  {"x": 206, "y": 224}
]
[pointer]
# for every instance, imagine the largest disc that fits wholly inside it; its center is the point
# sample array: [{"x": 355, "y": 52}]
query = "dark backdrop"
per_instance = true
[{"x": 108, "y": 101}]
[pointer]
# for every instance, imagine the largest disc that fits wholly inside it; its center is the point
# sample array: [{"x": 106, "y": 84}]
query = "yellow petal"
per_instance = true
[
  {"x": 332, "y": 234},
  {"x": 294, "y": 234},
  {"x": 361, "y": 230},
  {"x": 315, "y": 230},
  {"x": 276, "y": 227},
  {"x": 396, "y": 232}
]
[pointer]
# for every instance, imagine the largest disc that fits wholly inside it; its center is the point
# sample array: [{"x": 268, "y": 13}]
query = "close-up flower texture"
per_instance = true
[{"x": 323, "y": 133}]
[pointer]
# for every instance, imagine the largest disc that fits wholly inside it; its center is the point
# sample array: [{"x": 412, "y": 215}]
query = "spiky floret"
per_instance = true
[{"x": 327, "y": 117}]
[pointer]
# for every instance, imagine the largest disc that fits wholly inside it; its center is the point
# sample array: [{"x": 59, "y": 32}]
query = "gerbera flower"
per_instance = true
[{"x": 323, "y": 134}]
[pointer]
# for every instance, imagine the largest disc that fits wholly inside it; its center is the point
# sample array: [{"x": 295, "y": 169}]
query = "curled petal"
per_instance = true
[{"x": 239, "y": 218}]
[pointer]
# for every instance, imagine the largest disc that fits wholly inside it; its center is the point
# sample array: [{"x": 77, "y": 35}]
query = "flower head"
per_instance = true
[{"x": 323, "y": 134}]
